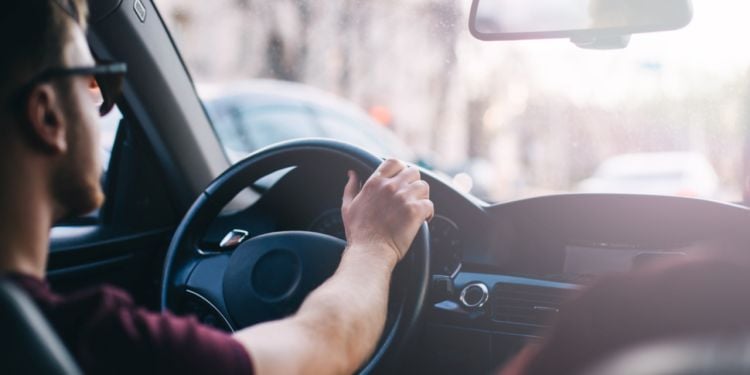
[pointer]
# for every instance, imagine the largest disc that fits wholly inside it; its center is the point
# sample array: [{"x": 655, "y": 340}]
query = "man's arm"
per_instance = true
[{"x": 337, "y": 327}]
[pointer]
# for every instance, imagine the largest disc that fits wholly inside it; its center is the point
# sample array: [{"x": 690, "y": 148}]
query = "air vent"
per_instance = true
[{"x": 525, "y": 304}]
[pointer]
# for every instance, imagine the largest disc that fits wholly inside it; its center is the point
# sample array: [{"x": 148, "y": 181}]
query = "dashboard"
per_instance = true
[{"x": 502, "y": 272}]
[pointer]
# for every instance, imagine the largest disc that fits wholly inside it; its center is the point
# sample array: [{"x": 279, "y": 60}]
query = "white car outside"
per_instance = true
[{"x": 686, "y": 174}]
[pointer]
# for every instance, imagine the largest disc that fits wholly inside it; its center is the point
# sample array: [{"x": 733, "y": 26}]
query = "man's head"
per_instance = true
[{"x": 52, "y": 120}]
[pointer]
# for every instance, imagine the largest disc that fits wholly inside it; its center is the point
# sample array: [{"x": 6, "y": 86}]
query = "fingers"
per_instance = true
[
  {"x": 403, "y": 180},
  {"x": 424, "y": 209},
  {"x": 429, "y": 209},
  {"x": 419, "y": 195},
  {"x": 408, "y": 181},
  {"x": 407, "y": 176},
  {"x": 418, "y": 189},
  {"x": 390, "y": 168},
  {"x": 351, "y": 189}
]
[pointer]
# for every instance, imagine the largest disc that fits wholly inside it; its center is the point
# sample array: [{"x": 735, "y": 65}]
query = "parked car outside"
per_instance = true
[
  {"x": 686, "y": 174},
  {"x": 252, "y": 114}
]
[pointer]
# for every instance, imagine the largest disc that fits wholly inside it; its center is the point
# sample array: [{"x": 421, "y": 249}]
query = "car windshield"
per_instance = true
[{"x": 501, "y": 120}]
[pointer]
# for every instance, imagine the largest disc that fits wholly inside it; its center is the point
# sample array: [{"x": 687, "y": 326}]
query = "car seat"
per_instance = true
[{"x": 29, "y": 345}]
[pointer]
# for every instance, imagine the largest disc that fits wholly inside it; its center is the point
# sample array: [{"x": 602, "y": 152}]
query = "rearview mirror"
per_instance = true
[{"x": 588, "y": 23}]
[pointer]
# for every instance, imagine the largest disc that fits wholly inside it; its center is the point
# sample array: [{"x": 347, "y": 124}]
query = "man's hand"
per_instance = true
[{"x": 388, "y": 210}]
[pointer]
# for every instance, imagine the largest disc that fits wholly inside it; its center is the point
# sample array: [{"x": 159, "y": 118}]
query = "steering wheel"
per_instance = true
[{"x": 268, "y": 276}]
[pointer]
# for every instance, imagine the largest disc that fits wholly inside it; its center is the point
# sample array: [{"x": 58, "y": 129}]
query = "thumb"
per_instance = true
[{"x": 352, "y": 187}]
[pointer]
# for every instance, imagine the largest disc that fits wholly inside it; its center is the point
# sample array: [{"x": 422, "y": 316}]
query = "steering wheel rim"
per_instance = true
[{"x": 412, "y": 274}]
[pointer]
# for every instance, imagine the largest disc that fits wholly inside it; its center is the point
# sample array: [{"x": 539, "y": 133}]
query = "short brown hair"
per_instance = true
[{"x": 33, "y": 34}]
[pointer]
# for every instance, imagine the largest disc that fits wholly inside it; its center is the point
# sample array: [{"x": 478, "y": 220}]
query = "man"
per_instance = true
[{"x": 50, "y": 170}]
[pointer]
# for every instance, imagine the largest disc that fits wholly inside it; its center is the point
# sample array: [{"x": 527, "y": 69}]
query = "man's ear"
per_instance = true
[{"x": 46, "y": 119}]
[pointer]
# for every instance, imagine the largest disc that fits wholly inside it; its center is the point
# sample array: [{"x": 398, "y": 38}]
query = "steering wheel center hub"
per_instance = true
[
  {"x": 269, "y": 276},
  {"x": 275, "y": 275}
]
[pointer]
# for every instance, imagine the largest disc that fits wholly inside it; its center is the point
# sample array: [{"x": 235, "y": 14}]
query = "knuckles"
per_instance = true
[
  {"x": 391, "y": 187},
  {"x": 414, "y": 173},
  {"x": 423, "y": 186}
]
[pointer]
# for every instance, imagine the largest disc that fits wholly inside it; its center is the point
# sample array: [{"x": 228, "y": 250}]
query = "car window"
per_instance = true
[
  {"x": 107, "y": 134},
  {"x": 511, "y": 119},
  {"x": 349, "y": 130},
  {"x": 263, "y": 126},
  {"x": 228, "y": 126}
]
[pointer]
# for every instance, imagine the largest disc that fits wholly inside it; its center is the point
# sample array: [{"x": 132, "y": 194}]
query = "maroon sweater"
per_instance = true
[{"x": 108, "y": 334}]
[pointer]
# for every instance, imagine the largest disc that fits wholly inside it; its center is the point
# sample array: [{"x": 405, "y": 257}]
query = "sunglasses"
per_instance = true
[{"x": 105, "y": 87}]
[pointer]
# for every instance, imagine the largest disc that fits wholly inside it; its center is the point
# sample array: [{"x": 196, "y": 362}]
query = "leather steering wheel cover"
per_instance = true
[{"x": 183, "y": 254}]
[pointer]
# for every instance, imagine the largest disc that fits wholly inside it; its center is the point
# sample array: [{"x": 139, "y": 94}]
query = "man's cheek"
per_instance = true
[
  {"x": 96, "y": 147},
  {"x": 91, "y": 122}
]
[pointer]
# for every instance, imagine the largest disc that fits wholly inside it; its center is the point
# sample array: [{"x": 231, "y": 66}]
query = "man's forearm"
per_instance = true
[
  {"x": 338, "y": 325},
  {"x": 350, "y": 309}
]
